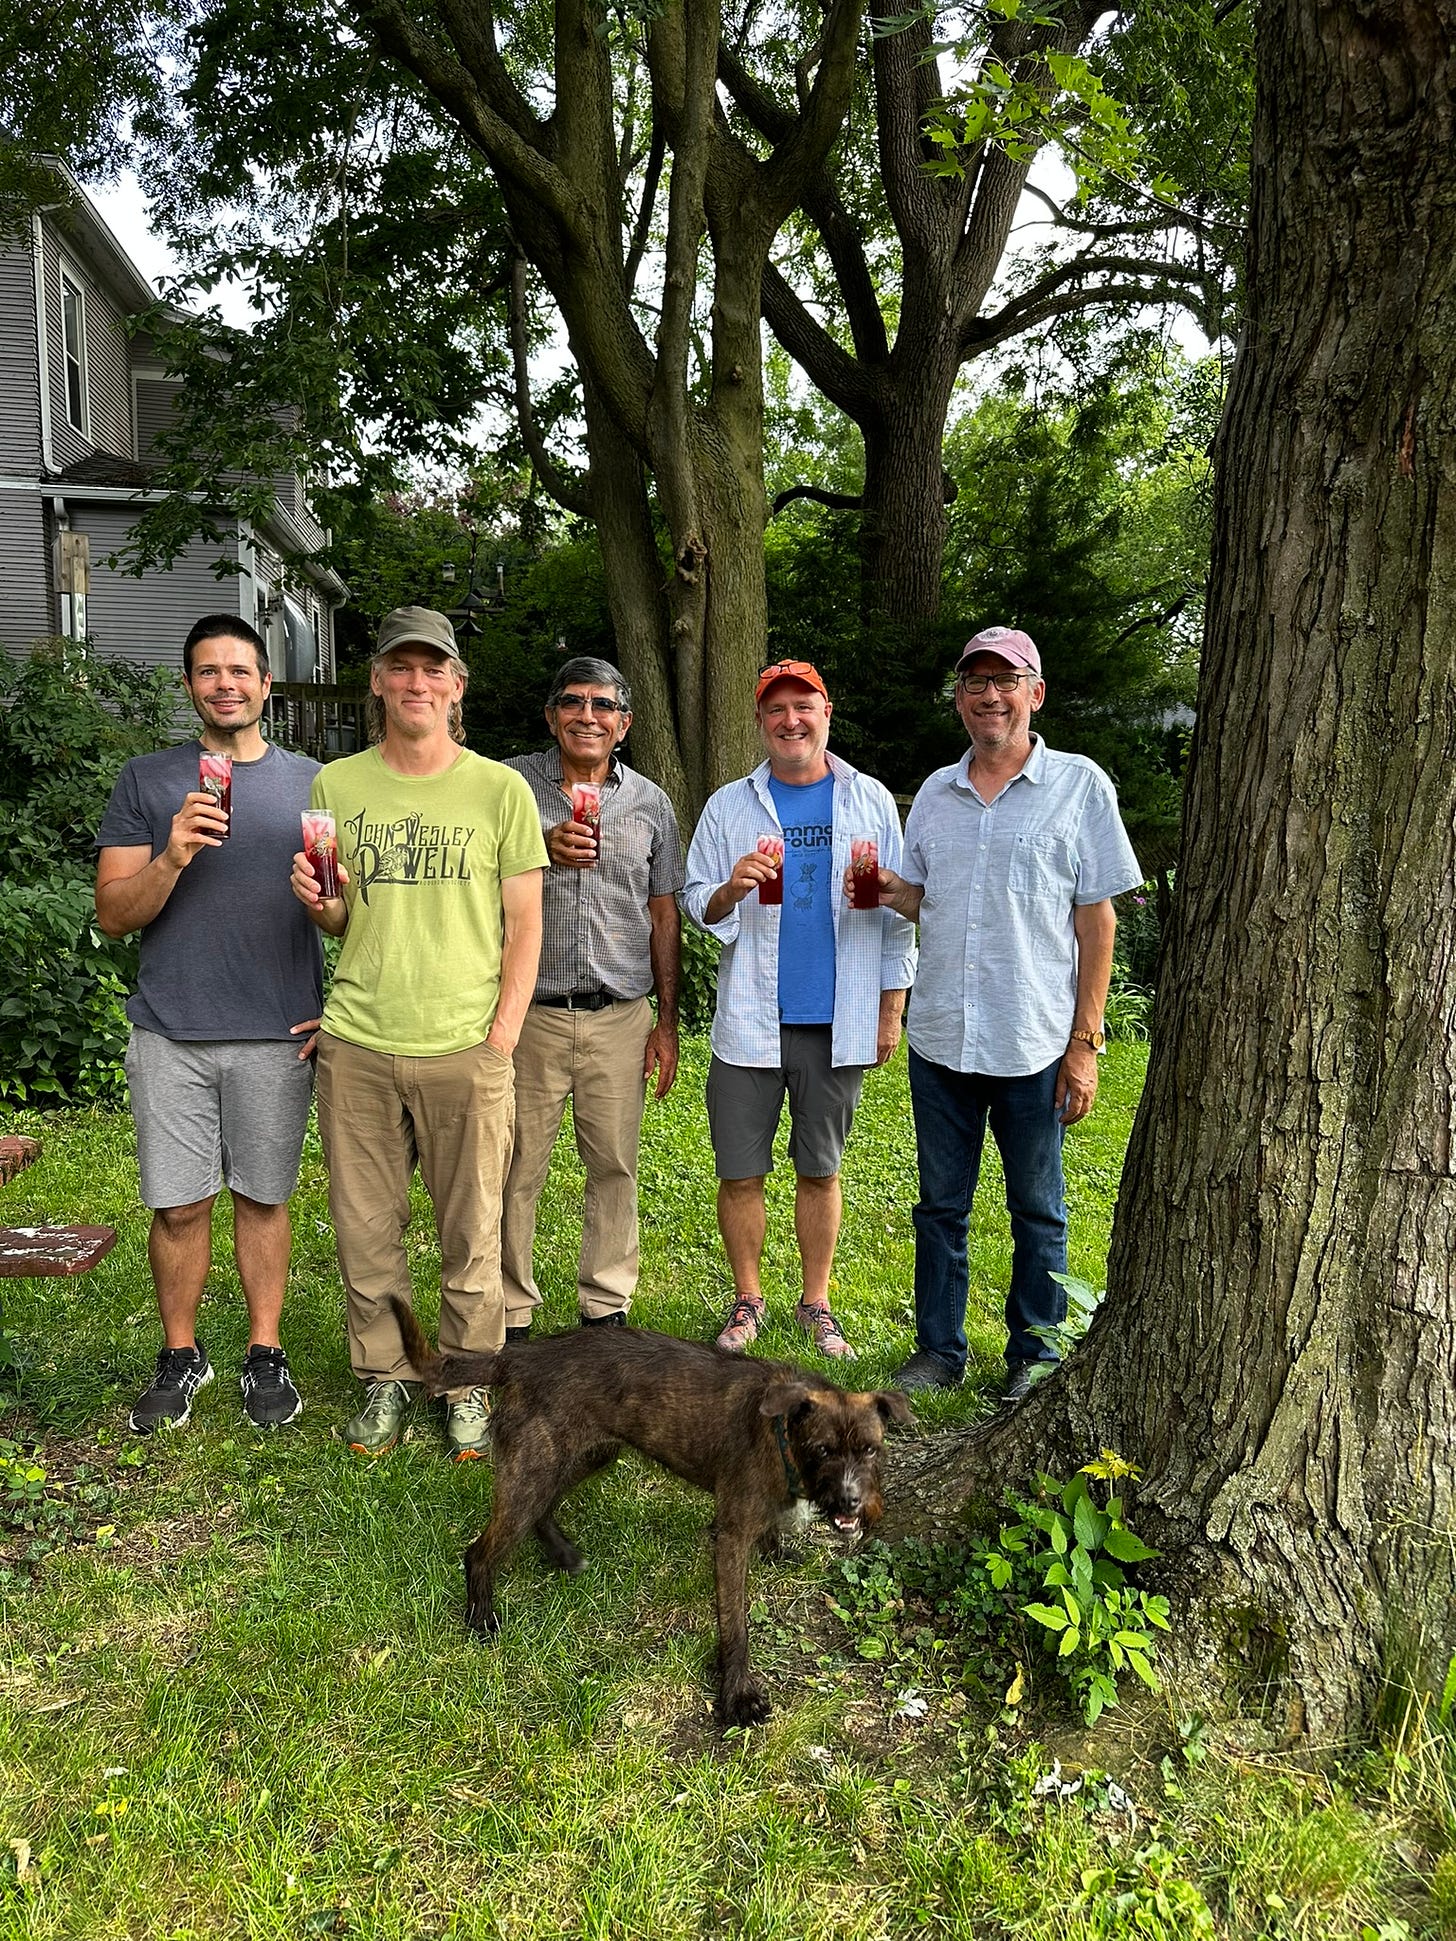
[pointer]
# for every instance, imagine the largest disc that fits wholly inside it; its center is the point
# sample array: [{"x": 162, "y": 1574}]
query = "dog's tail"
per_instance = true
[{"x": 440, "y": 1373}]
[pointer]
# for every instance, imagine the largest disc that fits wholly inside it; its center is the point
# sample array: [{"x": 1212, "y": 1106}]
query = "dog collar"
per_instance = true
[{"x": 791, "y": 1474}]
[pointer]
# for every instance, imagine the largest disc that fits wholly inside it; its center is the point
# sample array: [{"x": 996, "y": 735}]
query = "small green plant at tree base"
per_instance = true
[
  {"x": 1144, "y": 1895},
  {"x": 1083, "y": 1300},
  {"x": 1096, "y": 1624}
]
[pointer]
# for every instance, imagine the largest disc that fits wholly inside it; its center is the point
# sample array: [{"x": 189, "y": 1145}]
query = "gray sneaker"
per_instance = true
[
  {"x": 377, "y": 1425},
  {"x": 925, "y": 1370},
  {"x": 467, "y": 1427}
]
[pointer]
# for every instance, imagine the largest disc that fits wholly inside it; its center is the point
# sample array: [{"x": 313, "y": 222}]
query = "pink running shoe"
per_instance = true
[
  {"x": 742, "y": 1324},
  {"x": 825, "y": 1331}
]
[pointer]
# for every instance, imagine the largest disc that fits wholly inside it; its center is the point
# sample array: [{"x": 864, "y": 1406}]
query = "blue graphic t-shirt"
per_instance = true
[{"x": 806, "y": 925}]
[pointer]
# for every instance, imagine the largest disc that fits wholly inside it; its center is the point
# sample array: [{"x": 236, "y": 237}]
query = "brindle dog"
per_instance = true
[{"x": 762, "y": 1436}]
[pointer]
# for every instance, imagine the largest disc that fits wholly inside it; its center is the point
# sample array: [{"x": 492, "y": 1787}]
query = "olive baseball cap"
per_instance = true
[{"x": 418, "y": 627}]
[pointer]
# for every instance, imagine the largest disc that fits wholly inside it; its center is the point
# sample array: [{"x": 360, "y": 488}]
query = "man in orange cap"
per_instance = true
[{"x": 810, "y": 990}]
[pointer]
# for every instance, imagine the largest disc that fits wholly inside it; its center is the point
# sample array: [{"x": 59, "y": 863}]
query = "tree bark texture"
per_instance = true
[{"x": 1278, "y": 1345}]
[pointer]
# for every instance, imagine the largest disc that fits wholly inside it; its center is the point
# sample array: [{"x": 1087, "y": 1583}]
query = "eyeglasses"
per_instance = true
[
  {"x": 586, "y": 704},
  {"x": 1004, "y": 683}
]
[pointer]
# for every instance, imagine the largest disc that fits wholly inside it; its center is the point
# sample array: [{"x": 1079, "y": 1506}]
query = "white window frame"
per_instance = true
[{"x": 73, "y": 358}]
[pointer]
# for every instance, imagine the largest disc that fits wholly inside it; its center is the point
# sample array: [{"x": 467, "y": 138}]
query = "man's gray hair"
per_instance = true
[{"x": 590, "y": 672}]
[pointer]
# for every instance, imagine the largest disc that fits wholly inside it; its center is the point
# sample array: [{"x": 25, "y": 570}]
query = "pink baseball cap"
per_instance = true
[{"x": 1006, "y": 643}]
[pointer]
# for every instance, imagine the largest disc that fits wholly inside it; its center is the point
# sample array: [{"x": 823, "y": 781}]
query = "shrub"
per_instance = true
[
  {"x": 698, "y": 986},
  {"x": 68, "y": 723}
]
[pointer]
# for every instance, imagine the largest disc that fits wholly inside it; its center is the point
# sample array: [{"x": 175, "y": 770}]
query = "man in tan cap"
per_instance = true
[
  {"x": 1012, "y": 858},
  {"x": 441, "y": 858}
]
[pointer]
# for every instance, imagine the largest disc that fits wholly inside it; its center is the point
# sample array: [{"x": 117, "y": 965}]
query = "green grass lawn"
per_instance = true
[{"x": 236, "y": 1697}]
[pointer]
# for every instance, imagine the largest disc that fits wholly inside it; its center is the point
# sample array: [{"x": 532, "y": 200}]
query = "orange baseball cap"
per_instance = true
[{"x": 789, "y": 670}]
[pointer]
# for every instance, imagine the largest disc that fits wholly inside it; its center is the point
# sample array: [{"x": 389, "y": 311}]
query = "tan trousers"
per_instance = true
[
  {"x": 594, "y": 1058},
  {"x": 378, "y": 1116}
]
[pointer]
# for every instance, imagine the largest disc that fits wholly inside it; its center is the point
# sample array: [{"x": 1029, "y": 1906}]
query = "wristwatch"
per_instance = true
[{"x": 1097, "y": 1039}]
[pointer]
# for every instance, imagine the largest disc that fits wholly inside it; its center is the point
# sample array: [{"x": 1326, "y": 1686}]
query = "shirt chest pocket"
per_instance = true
[
  {"x": 630, "y": 841},
  {"x": 1041, "y": 866}
]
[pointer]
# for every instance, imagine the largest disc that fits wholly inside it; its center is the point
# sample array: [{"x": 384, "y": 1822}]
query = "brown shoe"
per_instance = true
[{"x": 742, "y": 1325}]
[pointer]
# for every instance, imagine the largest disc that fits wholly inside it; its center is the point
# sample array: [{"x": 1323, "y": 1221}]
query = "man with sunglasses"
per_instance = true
[
  {"x": 611, "y": 937},
  {"x": 1012, "y": 858}
]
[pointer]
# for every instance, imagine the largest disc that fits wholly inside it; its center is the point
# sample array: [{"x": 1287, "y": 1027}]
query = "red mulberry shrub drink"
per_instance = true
[
  {"x": 773, "y": 890},
  {"x": 586, "y": 806},
  {"x": 864, "y": 873},
  {"x": 321, "y": 846},
  {"x": 215, "y": 778}
]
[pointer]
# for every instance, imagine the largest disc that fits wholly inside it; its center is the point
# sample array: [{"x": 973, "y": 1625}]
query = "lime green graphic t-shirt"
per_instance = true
[{"x": 419, "y": 973}]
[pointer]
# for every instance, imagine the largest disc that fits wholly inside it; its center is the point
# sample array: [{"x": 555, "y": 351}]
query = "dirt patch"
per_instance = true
[{"x": 62, "y": 1493}]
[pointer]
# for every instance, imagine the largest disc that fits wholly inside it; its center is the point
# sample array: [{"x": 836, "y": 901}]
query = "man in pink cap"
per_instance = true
[
  {"x": 1012, "y": 858},
  {"x": 810, "y": 990}
]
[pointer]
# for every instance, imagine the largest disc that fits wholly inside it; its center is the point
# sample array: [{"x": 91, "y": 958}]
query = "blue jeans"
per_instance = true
[{"x": 951, "y": 1112}]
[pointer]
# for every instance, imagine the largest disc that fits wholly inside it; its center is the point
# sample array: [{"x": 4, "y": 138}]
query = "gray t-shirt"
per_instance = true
[{"x": 231, "y": 954}]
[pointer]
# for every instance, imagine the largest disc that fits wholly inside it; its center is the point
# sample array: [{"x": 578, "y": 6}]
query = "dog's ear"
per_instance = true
[
  {"x": 786, "y": 1398},
  {"x": 891, "y": 1406}
]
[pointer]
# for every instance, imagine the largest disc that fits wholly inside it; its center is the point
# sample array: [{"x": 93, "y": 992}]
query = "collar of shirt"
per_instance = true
[
  {"x": 554, "y": 769},
  {"x": 1031, "y": 770},
  {"x": 758, "y": 780}
]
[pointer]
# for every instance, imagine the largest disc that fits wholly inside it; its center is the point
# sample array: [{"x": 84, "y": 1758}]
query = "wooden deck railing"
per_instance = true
[{"x": 317, "y": 720}]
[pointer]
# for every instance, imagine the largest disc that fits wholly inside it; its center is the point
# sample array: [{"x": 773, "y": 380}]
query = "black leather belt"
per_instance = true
[{"x": 579, "y": 1001}]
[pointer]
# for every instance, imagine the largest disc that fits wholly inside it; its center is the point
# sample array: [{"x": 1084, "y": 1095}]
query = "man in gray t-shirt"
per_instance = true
[{"x": 231, "y": 973}]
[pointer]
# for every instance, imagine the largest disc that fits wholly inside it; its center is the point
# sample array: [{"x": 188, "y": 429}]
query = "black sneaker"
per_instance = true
[
  {"x": 617, "y": 1320},
  {"x": 269, "y": 1398},
  {"x": 519, "y": 1334},
  {"x": 167, "y": 1403}
]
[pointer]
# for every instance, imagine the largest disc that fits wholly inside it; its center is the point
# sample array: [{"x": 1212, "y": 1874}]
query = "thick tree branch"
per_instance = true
[
  {"x": 459, "y": 92},
  {"x": 471, "y": 28},
  {"x": 845, "y": 380},
  {"x": 1168, "y": 283},
  {"x": 642, "y": 229},
  {"x": 797, "y": 157},
  {"x": 836, "y": 501},
  {"x": 842, "y": 242},
  {"x": 1179, "y": 218}
]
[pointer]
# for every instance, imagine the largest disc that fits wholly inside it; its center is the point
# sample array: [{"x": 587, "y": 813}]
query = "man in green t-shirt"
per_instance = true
[{"x": 441, "y": 859}]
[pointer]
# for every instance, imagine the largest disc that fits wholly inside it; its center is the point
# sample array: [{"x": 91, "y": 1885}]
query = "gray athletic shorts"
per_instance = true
[
  {"x": 213, "y": 1113},
  {"x": 745, "y": 1101}
]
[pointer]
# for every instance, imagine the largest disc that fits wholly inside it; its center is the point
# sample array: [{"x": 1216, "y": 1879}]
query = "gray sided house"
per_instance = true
[{"x": 81, "y": 405}]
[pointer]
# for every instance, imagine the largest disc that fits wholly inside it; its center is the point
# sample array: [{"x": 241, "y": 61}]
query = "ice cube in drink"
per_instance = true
[
  {"x": 215, "y": 778},
  {"x": 772, "y": 891},
  {"x": 321, "y": 846},
  {"x": 864, "y": 873}
]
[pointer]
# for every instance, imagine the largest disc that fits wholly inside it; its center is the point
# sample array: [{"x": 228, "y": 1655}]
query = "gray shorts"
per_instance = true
[
  {"x": 745, "y": 1102},
  {"x": 213, "y": 1113}
]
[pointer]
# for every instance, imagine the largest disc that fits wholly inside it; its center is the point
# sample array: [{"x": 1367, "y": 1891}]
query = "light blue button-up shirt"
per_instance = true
[
  {"x": 997, "y": 988},
  {"x": 874, "y": 950}
]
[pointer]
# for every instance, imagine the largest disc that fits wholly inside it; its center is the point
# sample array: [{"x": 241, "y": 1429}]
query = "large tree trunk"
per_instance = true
[
  {"x": 903, "y": 519},
  {"x": 1278, "y": 1346}
]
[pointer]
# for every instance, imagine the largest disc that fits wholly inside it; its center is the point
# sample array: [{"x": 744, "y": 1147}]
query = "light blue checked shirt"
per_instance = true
[
  {"x": 874, "y": 950},
  {"x": 998, "y": 954}
]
